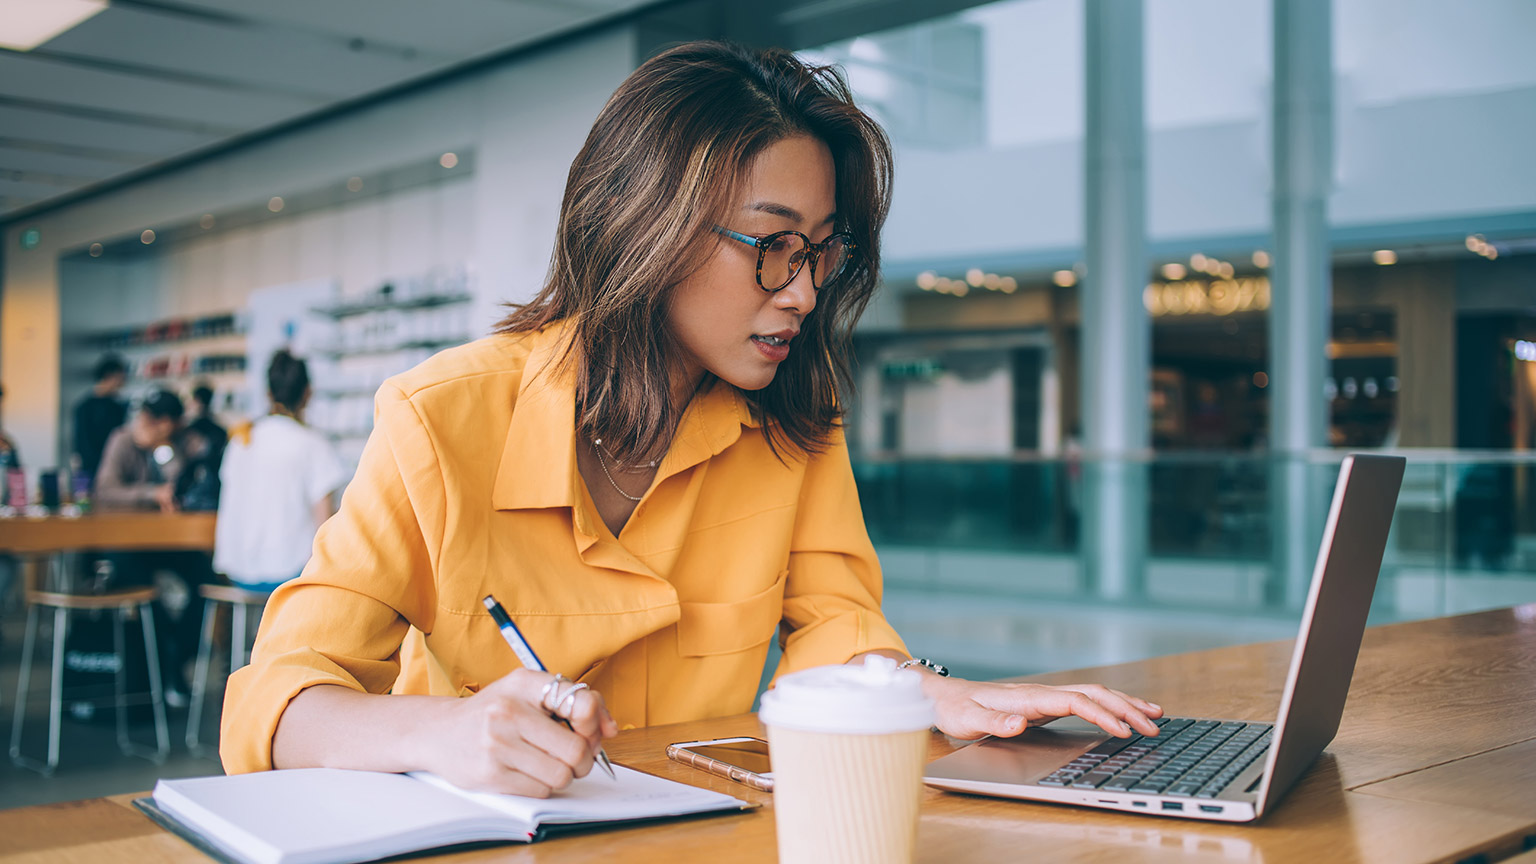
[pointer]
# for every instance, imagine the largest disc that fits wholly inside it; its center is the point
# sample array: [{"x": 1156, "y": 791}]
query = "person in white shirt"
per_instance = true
[{"x": 279, "y": 477}]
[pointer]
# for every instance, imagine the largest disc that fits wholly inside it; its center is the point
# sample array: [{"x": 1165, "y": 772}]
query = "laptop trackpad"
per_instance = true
[{"x": 1024, "y": 759}]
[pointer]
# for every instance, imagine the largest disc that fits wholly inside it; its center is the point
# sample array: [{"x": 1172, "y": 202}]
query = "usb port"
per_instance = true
[
  {"x": 1173, "y": 805},
  {"x": 1209, "y": 808},
  {"x": 1138, "y": 803}
]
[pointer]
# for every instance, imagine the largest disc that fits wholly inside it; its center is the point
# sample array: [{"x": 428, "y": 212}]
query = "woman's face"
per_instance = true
[{"x": 724, "y": 322}]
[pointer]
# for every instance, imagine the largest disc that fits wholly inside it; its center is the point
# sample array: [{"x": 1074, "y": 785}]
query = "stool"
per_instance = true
[
  {"x": 240, "y": 603},
  {"x": 122, "y": 603}
]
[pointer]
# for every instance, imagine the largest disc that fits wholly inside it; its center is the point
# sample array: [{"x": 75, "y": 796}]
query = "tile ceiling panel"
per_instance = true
[
  {"x": 41, "y": 161},
  {"x": 457, "y": 28},
  {"x": 272, "y": 59},
  {"x": 34, "y": 78},
  {"x": 134, "y": 142}
]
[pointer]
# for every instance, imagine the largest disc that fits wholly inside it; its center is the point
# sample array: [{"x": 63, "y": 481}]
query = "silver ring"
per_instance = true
[
  {"x": 570, "y": 696},
  {"x": 554, "y": 684}
]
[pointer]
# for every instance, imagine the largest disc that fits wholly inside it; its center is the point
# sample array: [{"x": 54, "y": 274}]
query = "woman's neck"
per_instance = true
[{"x": 279, "y": 410}]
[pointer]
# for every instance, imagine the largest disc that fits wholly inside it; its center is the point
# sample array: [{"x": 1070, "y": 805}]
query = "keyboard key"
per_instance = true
[{"x": 1091, "y": 780}]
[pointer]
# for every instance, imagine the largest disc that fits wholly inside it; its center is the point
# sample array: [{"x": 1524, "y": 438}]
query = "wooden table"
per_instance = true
[
  {"x": 35, "y": 538},
  {"x": 1435, "y": 762},
  {"x": 106, "y": 530}
]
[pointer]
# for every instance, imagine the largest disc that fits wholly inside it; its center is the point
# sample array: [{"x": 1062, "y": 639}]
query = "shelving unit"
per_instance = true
[
  {"x": 393, "y": 328},
  {"x": 178, "y": 353}
]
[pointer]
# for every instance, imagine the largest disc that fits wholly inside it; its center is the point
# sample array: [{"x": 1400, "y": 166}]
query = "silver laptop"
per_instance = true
[{"x": 1230, "y": 771}]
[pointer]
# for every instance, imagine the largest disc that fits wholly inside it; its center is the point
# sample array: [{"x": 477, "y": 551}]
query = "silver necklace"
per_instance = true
[{"x": 597, "y": 445}]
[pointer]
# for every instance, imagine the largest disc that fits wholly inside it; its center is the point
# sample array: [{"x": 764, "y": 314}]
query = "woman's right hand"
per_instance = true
[{"x": 502, "y": 739}]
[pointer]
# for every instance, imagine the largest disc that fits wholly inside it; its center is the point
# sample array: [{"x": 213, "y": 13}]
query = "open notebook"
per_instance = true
[{"x": 330, "y": 816}]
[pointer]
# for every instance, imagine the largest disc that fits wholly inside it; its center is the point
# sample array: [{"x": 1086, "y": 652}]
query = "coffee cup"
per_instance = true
[{"x": 848, "y": 745}]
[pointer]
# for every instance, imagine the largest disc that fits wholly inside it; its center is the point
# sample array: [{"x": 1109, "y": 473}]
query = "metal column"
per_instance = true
[
  {"x": 1300, "y": 314},
  {"x": 1116, "y": 343}
]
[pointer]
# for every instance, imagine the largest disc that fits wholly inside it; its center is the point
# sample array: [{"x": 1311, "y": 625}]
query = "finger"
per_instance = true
[
  {"x": 585, "y": 713},
  {"x": 554, "y": 740},
  {"x": 1151, "y": 709},
  {"x": 510, "y": 781},
  {"x": 1119, "y": 705},
  {"x": 537, "y": 763}
]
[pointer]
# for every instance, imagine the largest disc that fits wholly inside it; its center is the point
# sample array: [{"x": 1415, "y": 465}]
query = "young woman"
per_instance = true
[
  {"x": 278, "y": 477},
  {"x": 644, "y": 465}
]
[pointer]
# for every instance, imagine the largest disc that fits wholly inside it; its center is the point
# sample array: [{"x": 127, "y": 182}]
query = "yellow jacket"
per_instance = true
[{"x": 468, "y": 486}]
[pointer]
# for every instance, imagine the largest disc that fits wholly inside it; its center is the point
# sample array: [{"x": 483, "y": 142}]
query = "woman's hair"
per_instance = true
[
  {"x": 661, "y": 166},
  {"x": 287, "y": 379}
]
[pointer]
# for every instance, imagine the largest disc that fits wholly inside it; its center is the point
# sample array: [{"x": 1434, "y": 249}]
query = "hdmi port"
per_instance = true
[{"x": 1209, "y": 808}]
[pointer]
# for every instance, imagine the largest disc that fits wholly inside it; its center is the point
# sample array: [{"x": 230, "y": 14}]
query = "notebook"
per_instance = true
[
  {"x": 332, "y": 816},
  {"x": 1221, "y": 770}
]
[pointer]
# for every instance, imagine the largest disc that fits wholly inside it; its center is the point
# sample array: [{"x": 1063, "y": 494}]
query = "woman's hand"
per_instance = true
[
  {"x": 503, "y": 740},
  {"x": 971, "y": 709}
]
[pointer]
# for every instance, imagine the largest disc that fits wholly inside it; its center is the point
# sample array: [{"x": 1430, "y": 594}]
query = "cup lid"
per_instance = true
[{"x": 875, "y": 698}]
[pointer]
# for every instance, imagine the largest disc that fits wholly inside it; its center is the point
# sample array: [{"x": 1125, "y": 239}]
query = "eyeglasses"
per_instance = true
[{"x": 780, "y": 256}]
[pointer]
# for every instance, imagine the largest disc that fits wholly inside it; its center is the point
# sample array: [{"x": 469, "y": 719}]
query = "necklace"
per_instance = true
[{"x": 597, "y": 445}]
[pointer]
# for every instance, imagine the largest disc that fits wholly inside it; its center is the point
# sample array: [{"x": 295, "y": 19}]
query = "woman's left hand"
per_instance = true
[{"x": 972, "y": 709}]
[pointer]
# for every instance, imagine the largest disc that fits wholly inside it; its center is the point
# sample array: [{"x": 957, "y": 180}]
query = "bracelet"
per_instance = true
[{"x": 937, "y": 669}]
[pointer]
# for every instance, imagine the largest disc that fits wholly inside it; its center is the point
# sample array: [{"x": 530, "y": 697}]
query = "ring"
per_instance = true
[
  {"x": 554, "y": 684},
  {"x": 570, "y": 696}
]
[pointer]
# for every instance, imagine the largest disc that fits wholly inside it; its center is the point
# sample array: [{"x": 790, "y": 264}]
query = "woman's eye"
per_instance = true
[{"x": 779, "y": 244}]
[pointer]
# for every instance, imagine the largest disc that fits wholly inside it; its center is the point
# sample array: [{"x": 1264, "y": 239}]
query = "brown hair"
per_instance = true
[
  {"x": 287, "y": 379},
  {"x": 659, "y": 168}
]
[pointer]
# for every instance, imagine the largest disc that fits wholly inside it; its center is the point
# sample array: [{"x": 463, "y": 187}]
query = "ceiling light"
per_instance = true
[
  {"x": 147, "y": 237},
  {"x": 1384, "y": 257},
  {"x": 448, "y": 160},
  {"x": 26, "y": 24},
  {"x": 1174, "y": 271},
  {"x": 1064, "y": 278},
  {"x": 1198, "y": 262},
  {"x": 927, "y": 279},
  {"x": 276, "y": 204},
  {"x": 1260, "y": 259},
  {"x": 354, "y": 184},
  {"x": 96, "y": 250},
  {"x": 206, "y": 221}
]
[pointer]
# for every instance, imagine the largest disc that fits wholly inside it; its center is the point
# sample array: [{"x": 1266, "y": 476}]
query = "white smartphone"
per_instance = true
[{"x": 744, "y": 760}]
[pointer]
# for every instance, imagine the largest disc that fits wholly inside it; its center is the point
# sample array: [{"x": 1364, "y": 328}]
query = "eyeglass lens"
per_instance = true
[{"x": 786, "y": 254}]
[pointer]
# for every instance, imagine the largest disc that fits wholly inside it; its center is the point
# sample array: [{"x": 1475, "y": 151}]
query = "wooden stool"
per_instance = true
[
  {"x": 240, "y": 603},
  {"x": 122, "y": 603}
]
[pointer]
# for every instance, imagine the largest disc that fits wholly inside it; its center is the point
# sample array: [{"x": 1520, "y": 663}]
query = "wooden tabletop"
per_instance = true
[
  {"x": 1435, "y": 761},
  {"x": 106, "y": 530}
]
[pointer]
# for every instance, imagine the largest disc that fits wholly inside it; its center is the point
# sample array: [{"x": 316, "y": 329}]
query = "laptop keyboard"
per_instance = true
[{"x": 1191, "y": 758}]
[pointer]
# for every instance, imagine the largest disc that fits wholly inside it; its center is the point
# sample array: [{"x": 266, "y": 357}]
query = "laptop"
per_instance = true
[{"x": 1220, "y": 770}]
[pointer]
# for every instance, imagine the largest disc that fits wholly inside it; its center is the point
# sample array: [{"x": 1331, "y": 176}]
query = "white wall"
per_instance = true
[{"x": 525, "y": 121}]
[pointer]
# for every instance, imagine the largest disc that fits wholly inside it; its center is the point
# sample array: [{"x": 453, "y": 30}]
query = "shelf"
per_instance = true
[
  {"x": 429, "y": 344},
  {"x": 171, "y": 332},
  {"x": 346, "y": 310}
]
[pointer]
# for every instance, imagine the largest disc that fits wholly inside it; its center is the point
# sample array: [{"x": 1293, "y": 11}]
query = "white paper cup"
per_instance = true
[{"x": 848, "y": 744}]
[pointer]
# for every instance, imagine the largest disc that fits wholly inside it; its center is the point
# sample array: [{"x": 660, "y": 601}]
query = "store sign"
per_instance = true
[{"x": 1207, "y": 297}]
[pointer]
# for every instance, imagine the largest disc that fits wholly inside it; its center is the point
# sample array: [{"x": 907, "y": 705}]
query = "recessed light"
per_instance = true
[
  {"x": 448, "y": 160},
  {"x": 1384, "y": 257},
  {"x": 147, "y": 237},
  {"x": 27, "y": 24},
  {"x": 1064, "y": 278},
  {"x": 354, "y": 184},
  {"x": 206, "y": 221},
  {"x": 275, "y": 204},
  {"x": 96, "y": 250}
]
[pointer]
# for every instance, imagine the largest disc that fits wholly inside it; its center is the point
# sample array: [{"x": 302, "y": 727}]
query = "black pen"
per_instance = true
[{"x": 530, "y": 660}]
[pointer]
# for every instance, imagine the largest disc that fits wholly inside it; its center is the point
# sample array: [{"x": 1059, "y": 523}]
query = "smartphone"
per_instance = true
[{"x": 744, "y": 760}]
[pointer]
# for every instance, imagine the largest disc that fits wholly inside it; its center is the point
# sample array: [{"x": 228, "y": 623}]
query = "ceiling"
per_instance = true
[{"x": 150, "y": 81}]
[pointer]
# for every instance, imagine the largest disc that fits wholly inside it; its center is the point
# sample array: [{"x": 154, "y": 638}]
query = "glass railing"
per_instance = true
[{"x": 983, "y": 558}]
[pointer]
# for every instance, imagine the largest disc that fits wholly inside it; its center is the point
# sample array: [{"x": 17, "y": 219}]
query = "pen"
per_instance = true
[{"x": 530, "y": 660}]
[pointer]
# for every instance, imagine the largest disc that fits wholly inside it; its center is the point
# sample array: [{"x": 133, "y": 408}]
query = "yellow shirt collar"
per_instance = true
[{"x": 538, "y": 461}]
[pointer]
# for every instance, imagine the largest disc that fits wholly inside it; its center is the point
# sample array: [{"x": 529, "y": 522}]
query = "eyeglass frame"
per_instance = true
[{"x": 812, "y": 254}]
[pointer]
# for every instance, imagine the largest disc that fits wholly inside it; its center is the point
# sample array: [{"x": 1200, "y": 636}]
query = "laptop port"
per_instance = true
[
  {"x": 1173, "y": 805},
  {"x": 1138, "y": 803},
  {"x": 1209, "y": 808}
]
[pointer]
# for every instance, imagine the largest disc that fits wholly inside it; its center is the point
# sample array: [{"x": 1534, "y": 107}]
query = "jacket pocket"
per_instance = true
[{"x": 706, "y": 629}]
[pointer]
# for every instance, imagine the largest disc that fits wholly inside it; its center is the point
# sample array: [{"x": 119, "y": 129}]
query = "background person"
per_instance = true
[
  {"x": 138, "y": 472},
  {"x": 644, "y": 465},
  {"x": 201, "y": 447},
  {"x": 278, "y": 477},
  {"x": 100, "y": 413}
]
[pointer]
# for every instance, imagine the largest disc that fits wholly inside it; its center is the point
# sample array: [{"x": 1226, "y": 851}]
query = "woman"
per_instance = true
[
  {"x": 277, "y": 478},
  {"x": 644, "y": 466}
]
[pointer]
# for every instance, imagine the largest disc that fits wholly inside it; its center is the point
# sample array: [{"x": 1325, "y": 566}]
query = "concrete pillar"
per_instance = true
[
  {"x": 1300, "y": 315},
  {"x": 1116, "y": 343}
]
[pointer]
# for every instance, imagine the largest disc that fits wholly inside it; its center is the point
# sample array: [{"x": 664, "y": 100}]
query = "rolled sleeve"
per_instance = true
[
  {"x": 832, "y": 598},
  {"x": 370, "y": 579}
]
